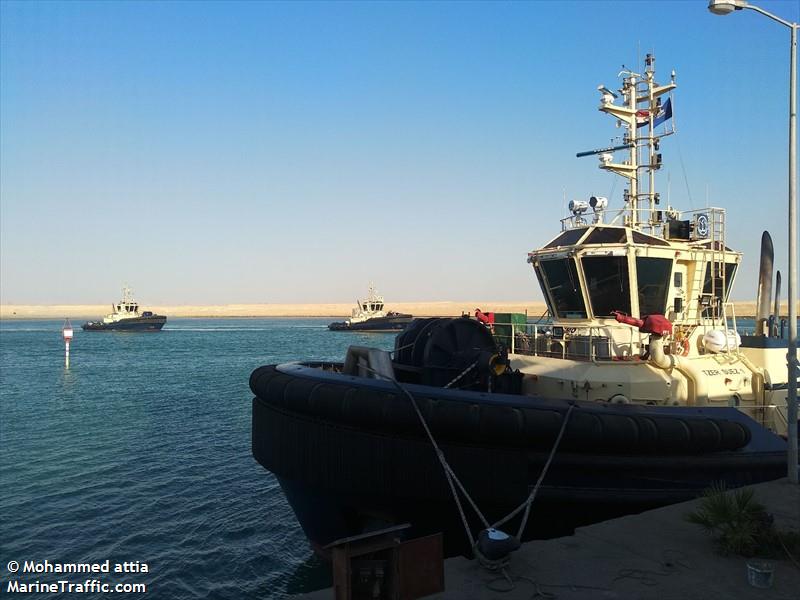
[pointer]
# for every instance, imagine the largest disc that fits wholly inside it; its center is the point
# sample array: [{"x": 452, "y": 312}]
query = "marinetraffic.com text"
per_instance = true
[{"x": 88, "y": 583}]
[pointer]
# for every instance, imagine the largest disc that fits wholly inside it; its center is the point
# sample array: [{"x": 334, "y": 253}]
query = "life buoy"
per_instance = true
[{"x": 683, "y": 347}]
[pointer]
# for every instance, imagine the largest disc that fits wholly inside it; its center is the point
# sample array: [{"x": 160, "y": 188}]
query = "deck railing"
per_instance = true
[{"x": 606, "y": 343}]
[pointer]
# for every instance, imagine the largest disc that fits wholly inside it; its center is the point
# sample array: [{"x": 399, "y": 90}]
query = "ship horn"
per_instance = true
[{"x": 764, "y": 284}]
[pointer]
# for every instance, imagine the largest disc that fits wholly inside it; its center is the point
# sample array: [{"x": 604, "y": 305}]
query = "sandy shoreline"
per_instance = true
[{"x": 419, "y": 309}]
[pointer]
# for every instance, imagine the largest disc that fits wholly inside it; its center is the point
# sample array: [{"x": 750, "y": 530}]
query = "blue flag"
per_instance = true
[{"x": 664, "y": 114}]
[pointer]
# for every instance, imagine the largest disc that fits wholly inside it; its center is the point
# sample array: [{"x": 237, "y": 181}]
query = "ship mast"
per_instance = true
[{"x": 641, "y": 105}]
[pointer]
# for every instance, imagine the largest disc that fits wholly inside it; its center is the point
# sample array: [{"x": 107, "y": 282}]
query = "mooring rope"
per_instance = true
[
  {"x": 532, "y": 496},
  {"x": 402, "y": 347},
  {"x": 453, "y": 480},
  {"x": 464, "y": 372}
]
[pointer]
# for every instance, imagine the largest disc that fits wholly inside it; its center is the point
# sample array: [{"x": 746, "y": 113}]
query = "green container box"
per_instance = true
[{"x": 508, "y": 324}]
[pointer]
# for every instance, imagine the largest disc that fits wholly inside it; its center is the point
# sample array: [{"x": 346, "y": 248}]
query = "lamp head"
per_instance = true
[
  {"x": 598, "y": 203},
  {"x": 578, "y": 207},
  {"x": 725, "y": 7}
]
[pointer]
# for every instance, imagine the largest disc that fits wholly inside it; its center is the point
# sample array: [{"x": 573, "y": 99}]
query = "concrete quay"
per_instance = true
[{"x": 654, "y": 555}]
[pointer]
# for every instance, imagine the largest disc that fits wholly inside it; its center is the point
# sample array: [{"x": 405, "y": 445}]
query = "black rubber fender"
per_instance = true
[{"x": 496, "y": 420}]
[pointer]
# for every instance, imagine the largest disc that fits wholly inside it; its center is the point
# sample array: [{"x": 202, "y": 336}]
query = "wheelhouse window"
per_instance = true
[
  {"x": 606, "y": 235},
  {"x": 641, "y": 238},
  {"x": 713, "y": 286},
  {"x": 543, "y": 287},
  {"x": 608, "y": 284},
  {"x": 653, "y": 276},
  {"x": 563, "y": 285},
  {"x": 568, "y": 238}
]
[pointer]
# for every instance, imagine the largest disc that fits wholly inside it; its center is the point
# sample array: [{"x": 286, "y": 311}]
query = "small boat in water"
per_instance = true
[
  {"x": 125, "y": 316},
  {"x": 594, "y": 414},
  {"x": 370, "y": 316}
]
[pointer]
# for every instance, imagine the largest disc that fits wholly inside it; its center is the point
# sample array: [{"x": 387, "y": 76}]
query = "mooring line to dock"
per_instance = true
[
  {"x": 789, "y": 554},
  {"x": 450, "y": 476},
  {"x": 646, "y": 577},
  {"x": 538, "y": 591},
  {"x": 532, "y": 496},
  {"x": 453, "y": 480}
]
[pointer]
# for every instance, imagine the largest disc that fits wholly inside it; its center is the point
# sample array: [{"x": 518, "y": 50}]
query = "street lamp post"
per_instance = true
[{"x": 724, "y": 7}]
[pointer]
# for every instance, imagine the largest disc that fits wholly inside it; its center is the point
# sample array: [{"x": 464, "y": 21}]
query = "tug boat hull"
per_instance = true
[
  {"x": 154, "y": 323},
  {"x": 351, "y": 454},
  {"x": 639, "y": 373},
  {"x": 396, "y": 322}
]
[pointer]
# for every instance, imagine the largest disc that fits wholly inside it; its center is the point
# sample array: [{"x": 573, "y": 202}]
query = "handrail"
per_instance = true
[
  {"x": 592, "y": 342},
  {"x": 717, "y": 224}
]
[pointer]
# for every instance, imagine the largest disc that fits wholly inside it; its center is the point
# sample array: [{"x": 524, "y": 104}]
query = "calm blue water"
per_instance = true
[{"x": 141, "y": 452}]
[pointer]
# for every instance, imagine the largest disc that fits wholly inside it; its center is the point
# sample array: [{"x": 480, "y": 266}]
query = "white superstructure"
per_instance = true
[
  {"x": 645, "y": 260},
  {"x": 127, "y": 308},
  {"x": 372, "y": 307}
]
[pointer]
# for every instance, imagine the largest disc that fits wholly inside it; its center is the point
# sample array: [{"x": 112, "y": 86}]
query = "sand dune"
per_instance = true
[{"x": 420, "y": 309}]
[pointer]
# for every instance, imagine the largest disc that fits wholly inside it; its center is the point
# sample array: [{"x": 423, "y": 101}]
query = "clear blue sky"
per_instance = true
[{"x": 292, "y": 152}]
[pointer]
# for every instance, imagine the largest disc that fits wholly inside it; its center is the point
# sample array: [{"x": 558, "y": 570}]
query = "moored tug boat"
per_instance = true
[
  {"x": 370, "y": 315},
  {"x": 125, "y": 316},
  {"x": 638, "y": 392}
]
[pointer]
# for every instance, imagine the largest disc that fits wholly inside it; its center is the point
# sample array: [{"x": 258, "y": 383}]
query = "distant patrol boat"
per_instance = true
[{"x": 125, "y": 317}]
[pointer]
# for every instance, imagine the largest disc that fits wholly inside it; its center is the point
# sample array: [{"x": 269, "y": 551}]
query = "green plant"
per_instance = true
[{"x": 739, "y": 524}]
